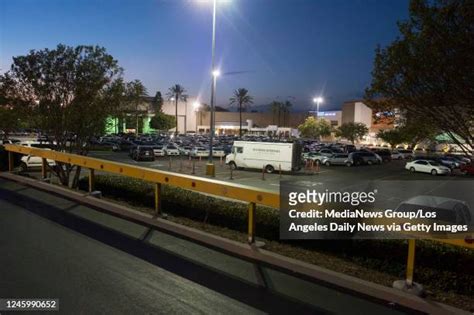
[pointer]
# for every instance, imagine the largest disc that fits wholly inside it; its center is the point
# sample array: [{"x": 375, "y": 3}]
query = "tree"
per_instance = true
[
  {"x": 427, "y": 70},
  {"x": 9, "y": 120},
  {"x": 157, "y": 102},
  {"x": 392, "y": 136},
  {"x": 161, "y": 121},
  {"x": 352, "y": 131},
  {"x": 135, "y": 91},
  {"x": 417, "y": 131},
  {"x": 69, "y": 93},
  {"x": 314, "y": 128},
  {"x": 176, "y": 93},
  {"x": 243, "y": 100}
]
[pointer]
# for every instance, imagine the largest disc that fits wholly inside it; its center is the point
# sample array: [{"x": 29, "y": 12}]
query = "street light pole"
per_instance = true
[
  {"x": 317, "y": 100},
  {"x": 210, "y": 169}
]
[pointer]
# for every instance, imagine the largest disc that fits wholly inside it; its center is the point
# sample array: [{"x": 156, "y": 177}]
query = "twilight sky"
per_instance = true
[{"x": 283, "y": 49}]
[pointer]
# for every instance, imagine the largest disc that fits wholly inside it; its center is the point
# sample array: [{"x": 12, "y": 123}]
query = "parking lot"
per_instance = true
[{"x": 339, "y": 175}]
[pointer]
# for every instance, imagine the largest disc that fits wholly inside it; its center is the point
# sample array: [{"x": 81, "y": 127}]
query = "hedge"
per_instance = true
[
  {"x": 446, "y": 267},
  {"x": 186, "y": 203}
]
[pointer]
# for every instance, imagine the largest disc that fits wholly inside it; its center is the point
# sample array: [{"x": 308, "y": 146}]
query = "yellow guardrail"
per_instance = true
[
  {"x": 204, "y": 185},
  {"x": 194, "y": 183}
]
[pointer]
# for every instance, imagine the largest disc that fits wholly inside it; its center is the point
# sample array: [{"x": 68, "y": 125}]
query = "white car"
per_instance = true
[
  {"x": 171, "y": 150},
  {"x": 185, "y": 150},
  {"x": 199, "y": 152},
  {"x": 29, "y": 162},
  {"x": 396, "y": 155},
  {"x": 158, "y": 150},
  {"x": 218, "y": 152},
  {"x": 314, "y": 156},
  {"x": 427, "y": 166}
]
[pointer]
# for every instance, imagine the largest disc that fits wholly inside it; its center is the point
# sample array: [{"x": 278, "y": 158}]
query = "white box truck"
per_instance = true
[{"x": 268, "y": 155}]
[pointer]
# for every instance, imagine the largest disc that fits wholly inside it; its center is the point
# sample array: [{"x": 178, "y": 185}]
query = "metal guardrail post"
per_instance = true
[
  {"x": 251, "y": 222},
  {"x": 263, "y": 172},
  {"x": 157, "y": 198},
  {"x": 91, "y": 180},
  {"x": 410, "y": 262},
  {"x": 44, "y": 171},
  {"x": 10, "y": 161}
]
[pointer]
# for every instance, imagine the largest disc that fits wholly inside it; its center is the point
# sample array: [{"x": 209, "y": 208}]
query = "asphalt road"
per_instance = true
[{"x": 40, "y": 258}]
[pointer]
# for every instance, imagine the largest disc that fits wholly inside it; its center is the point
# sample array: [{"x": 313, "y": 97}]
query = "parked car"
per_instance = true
[
  {"x": 384, "y": 154},
  {"x": 407, "y": 154},
  {"x": 365, "y": 157},
  {"x": 184, "y": 150},
  {"x": 449, "y": 162},
  {"x": 158, "y": 150},
  {"x": 218, "y": 152},
  {"x": 30, "y": 162},
  {"x": 427, "y": 166},
  {"x": 328, "y": 152},
  {"x": 199, "y": 152},
  {"x": 143, "y": 153},
  {"x": 314, "y": 156},
  {"x": 459, "y": 157},
  {"x": 171, "y": 149},
  {"x": 350, "y": 148},
  {"x": 451, "y": 211},
  {"x": 397, "y": 155},
  {"x": 338, "y": 159},
  {"x": 467, "y": 169}
]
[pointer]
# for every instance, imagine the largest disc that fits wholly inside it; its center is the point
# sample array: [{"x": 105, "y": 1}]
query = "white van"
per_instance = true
[{"x": 268, "y": 155}]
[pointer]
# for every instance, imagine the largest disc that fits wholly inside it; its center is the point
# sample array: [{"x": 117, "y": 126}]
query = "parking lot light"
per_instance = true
[{"x": 318, "y": 100}]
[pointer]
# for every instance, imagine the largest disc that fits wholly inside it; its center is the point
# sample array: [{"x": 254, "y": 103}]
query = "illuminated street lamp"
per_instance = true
[
  {"x": 210, "y": 168},
  {"x": 318, "y": 100}
]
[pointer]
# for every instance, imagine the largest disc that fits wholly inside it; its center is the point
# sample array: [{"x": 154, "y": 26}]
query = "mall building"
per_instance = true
[{"x": 193, "y": 119}]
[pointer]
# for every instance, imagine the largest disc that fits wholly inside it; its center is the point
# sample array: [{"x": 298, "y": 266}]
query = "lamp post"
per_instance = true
[
  {"x": 210, "y": 168},
  {"x": 318, "y": 100}
]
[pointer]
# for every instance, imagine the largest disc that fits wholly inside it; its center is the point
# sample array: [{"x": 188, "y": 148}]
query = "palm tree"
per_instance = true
[
  {"x": 176, "y": 92},
  {"x": 243, "y": 100}
]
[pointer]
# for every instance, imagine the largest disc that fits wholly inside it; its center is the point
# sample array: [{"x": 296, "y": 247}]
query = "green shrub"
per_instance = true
[{"x": 180, "y": 202}]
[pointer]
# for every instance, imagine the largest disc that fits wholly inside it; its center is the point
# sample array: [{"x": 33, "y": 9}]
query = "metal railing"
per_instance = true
[
  {"x": 217, "y": 188},
  {"x": 213, "y": 187}
]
